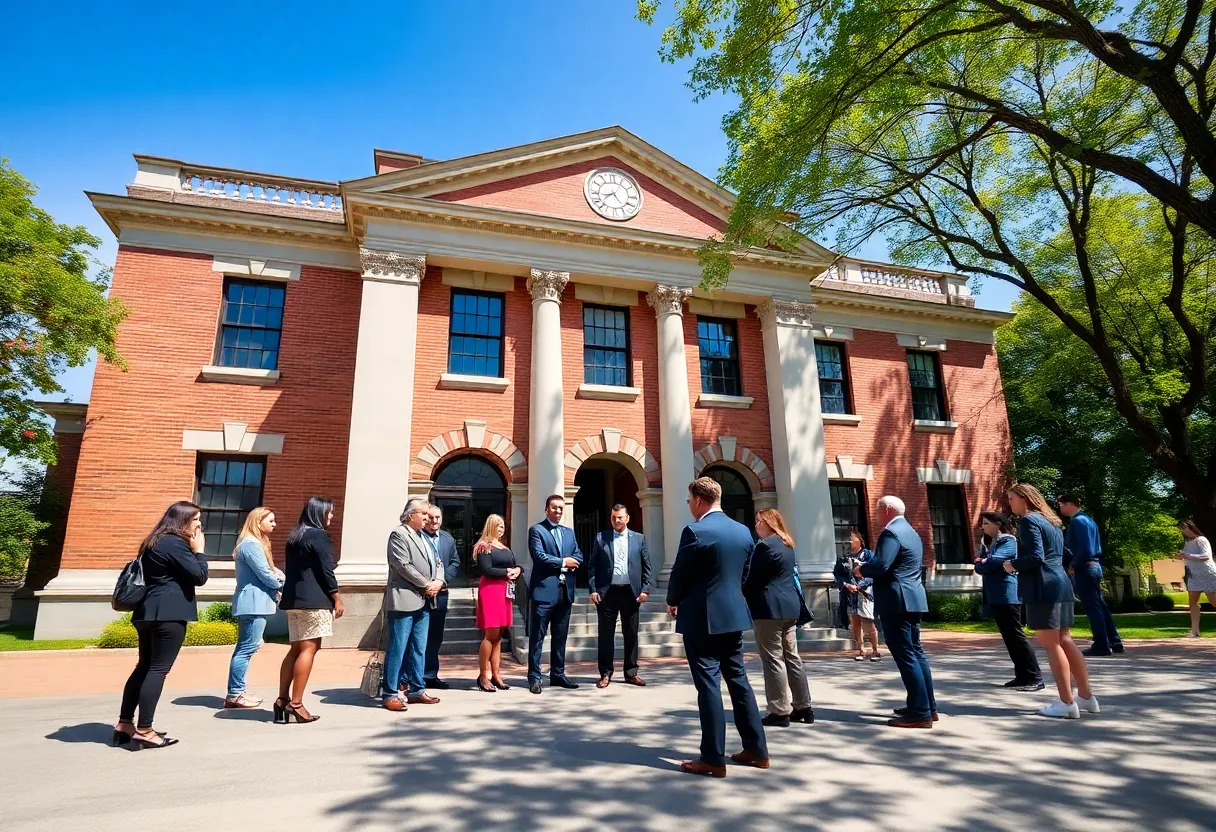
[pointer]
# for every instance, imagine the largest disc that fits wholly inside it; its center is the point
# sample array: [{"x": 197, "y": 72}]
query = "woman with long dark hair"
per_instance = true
[
  {"x": 173, "y": 564},
  {"x": 998, "y": 545},
  {"x": 310, "y": 597}
]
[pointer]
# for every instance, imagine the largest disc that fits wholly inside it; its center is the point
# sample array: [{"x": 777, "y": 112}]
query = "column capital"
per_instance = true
[
  {"x": 785, "y": 312},
  {"x": 392, "y": 266},
  {"x": 547, "y": 285},
  {"x": 668, "y": 300}
]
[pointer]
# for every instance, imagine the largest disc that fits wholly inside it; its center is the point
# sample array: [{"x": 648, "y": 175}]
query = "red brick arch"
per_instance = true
[{"x": 475, "y": 438}]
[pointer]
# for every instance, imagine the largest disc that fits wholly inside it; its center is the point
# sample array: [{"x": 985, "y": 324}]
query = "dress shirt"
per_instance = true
[
  {"x": 555, "y": 530},
  {"x": 620, "y": 557}
]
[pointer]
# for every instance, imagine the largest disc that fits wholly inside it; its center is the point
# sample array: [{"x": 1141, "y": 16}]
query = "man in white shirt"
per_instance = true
[{"x": 620, "y": 579}]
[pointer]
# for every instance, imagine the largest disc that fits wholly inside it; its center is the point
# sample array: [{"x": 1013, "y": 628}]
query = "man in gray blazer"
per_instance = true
[
  {"x": 415, "y": 578},
  {"x": 619, "y": 576}
]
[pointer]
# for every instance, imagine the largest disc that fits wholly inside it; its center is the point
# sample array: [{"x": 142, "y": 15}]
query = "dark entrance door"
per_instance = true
[
  {"x": 468, "y": 490},
  {"x": 737, "y": 501}
]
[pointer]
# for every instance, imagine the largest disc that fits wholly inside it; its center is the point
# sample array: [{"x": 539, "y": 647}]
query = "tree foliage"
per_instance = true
[
  {"x": 52, "y": 313},
  {"x": 21, "y": 524}
]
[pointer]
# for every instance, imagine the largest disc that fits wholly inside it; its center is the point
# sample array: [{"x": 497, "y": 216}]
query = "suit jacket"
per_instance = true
[
  {"x": 257, "y": 582},
  {"x": 310, "y": 583},
  {"x": 449, "y": 559},
  {"x": 769, "y": 589},
  {"x": 545, "y": 585},
  {"x": 600, "y": 565},
  {"x": 171, "y": 572},
  {"x": 1040, "y": 562},
  {"x": 706, "y": 583},
  {"x": 411, "y": 566},
  {"x": 896, "y": 570},
  {"x": 999, "y": 586}
]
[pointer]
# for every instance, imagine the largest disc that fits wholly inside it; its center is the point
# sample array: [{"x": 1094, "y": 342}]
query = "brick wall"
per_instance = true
[{"x": 58, "y": 483}]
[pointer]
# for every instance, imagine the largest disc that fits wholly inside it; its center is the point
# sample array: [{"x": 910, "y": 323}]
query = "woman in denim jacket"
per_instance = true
[
  {"x": 998, "y": 545},
  {"x": 256, "y": 599}
]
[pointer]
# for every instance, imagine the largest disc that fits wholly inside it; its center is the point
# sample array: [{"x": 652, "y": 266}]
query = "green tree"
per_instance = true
[
  {"x": 1000, "y": 138},
  {"x": 52, "y": 313},
  {"x": 21, "y": 526}
]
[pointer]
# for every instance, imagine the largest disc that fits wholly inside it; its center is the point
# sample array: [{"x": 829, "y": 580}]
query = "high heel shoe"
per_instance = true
[
  {"x": 482, "y": 686},
  {"x": 139, "y": 741},
  {"x": 297, "y": 711},
  {"x": 120, "y": 738},
  {"x": 500, "y": 684},
  {"x": 280, "y": 712}
]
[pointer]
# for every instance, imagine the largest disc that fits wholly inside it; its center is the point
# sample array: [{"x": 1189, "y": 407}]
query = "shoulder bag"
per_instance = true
[{"x": 130, "y": 590}]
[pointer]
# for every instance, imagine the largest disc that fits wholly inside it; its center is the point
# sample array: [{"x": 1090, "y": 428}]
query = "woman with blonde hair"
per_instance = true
[
  {"x": 495, "y": 597},
  {"x": 1200, "y": 570},
  {"x": 1047, "y": 593},
  {"x": 256, "y": 598}
]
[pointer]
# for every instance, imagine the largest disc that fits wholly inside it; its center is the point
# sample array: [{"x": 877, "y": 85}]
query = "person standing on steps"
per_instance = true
[
  {"x": 619, "y": 577},
  {"x": 443, "y": 549},
  {"x": 555, "y": 557},
  {"x": 1082, "y": 540}
]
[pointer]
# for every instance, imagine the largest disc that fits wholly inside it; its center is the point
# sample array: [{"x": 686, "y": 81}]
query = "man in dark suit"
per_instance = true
[
  {"x": 899, "y": 600},
  {"x": 705, "y": 594},
  {"x": 555, "y": 557},
  {"x": 620, "y": 584},
  {"x": 443, "y": 547}
]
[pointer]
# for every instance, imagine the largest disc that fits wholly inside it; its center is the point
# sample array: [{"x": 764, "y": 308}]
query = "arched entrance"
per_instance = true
[
  {"x": 737, "y": 502},
  {"x": 602, "y": 483},
  {"x": 468, "y": 489}
]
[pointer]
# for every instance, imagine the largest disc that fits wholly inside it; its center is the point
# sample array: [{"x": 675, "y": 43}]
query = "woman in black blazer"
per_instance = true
[
  {"x": 172, "y": 559},
  {"x": 775, "y": 601},
  {"x": 310, "y": 597}
]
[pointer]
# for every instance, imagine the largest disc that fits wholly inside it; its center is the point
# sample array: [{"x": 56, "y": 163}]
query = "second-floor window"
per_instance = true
[
  {"x": 848, "y": 512},
  {"x": 605, "y": 345},
  {"x": 475, "y": 339},
  {"x": 928, "y": 397},
  {"x": 719, "y": 347},
  {"x": 833, "y": 377},
  {"x": 250, "y": 324}
]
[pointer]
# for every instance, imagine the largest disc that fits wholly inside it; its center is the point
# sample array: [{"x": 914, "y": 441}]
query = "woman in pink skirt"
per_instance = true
[{"x": 495, "y": 600}]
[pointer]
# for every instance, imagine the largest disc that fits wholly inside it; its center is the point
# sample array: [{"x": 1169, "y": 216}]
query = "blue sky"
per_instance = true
[{"x": 310, "y": 88}]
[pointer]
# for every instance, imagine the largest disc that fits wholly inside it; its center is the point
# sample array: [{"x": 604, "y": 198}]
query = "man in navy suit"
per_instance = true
[
  {"x": 620, "y": 584},
  {"x": 555, "y": 557},
  {"x": 705, "y": 594},
  {"x": 899, "y": 599},
  {"x": 443, "y": 547}
]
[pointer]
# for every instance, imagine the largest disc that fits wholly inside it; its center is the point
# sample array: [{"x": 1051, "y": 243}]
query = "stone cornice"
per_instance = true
[
  {"x": 668, "y": 300},
  {"x": 785, "y": 312},
  {"x": 827, "y": 296},
  {"x": 392, "y": 266},
  {"x": 547, "y": 285}
]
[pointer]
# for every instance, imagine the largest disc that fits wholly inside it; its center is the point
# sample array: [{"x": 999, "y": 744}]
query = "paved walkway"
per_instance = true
[{"x": 591, "y": 759}]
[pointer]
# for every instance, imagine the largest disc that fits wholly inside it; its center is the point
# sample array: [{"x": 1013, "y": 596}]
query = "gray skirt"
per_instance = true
[{"x": 1050, "y": 616}]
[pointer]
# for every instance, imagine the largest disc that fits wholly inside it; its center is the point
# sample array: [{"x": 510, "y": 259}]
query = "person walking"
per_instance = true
[
  {"x": 899, "y": 598},
  {"x": 495, "y": 600},
  {"x": 555, "y": 557},
  {"x": 1200, "y": 573},
  {"x": 1000, "y": 591},
  {"x": 1045, "y": 589},
  {"x": 705, "y": 596},
  {"x": 859, "y": 599},
  {"x": 619, "y": 575},
  {"x": 775, "y": 605},
  {"x": 312, "y": 602},
  {"x": 1083, "y": 547},
  {"x": 258, "y": 583},
  {"x": 443, "y": 548},
  {"x": 415, "y": 578},
  {"x": 173, "y": 565}
]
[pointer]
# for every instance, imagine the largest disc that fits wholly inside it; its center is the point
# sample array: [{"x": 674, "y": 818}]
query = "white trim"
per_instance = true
[
  {"x": 963, "y": 568},
  {"x": 832, "y": 332},
  {"x": 239, "y": 375},
  {"x": 232, "y": 439},
  {"x": 731, "y": 402},
  {"x": 877, "y": 313},
  {"x": 841, "y": 419},
  {"x": 486, "y": 384},
  {"x": 933, "y": 426},
  {"x": 942, "y": 473},
  {"x": 261, "y": 269},
  {"x": 609, "y": 393},
  {"x": 716, "y": 308},
  {"x": 844, "y": 468},
  {"x": 470, "y": 279},
  {"x": 921, "y": 342},
  {"x": 335, "y": 256},
  {"x": 69, "y": 416},
  {"x": 607, "y": 295}
]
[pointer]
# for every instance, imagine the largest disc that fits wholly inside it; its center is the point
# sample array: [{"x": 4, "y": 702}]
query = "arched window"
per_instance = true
[
  {"x": 469, "y": 472},
  {"x": 736, "y": 495},
  {"x": 469, "y": 489}
]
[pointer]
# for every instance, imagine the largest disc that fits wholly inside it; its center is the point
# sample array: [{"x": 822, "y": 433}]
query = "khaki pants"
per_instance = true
[{"x": 777, "y": 641}]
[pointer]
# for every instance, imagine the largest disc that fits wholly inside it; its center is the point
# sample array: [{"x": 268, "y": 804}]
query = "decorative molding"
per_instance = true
[
  {"x": 717, "y": 308},
  {"x": 612, "y": 442},
  {"x": 841, "y": 419},
  {"x": 920, "y": 342},
  {"x": 765, "y": 499},
  {"x": 785, "y": 312},
  {"x": 70, "y": 417},
  {"x": 234, "y": 438},
  {"x": 609, "y": 392},
  {"x": 744, "y": 460},
  {"x": 547, "y": 285},
  {"x": 484, "y": 384},
  {"x": 392, "y": 266},
  {"x": 607, "y": 295},
  {"x": 844, "y": 468},
  {"x": 240, "y": 375},
  {"x": 933, "y": 426},
  {"x": 731, "y": 402},
  {"x": 261, "y": 269},
  {"x": 668, "y": 300},
  {"x": 941, "y": 472},
  {"x": 832, "y": 332},
  {"x": 728, "y": 445},
  {"x": 485, "y": 281},
  {"x": 472, "y": 435},
  {"x": 228, "y": 243}
]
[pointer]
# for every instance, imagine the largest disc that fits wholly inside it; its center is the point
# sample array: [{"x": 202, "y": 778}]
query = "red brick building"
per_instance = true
[{"x": 492, "y": 329}]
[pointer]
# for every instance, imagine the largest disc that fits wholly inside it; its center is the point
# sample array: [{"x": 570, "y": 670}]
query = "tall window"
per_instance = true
[
  {"x": 949, "y": 521},
  {"x": 605, "y": 345},
  {"x": 848, "y": 512},
  {"x": 250, "y": 324},
  {"x": 227, "y": 489},
  {"x": 475, "y": 340},
  {"x": 928, "y": 398},
  {"x": 833, "y": 377},
  {"x": 719, "y": 346}
]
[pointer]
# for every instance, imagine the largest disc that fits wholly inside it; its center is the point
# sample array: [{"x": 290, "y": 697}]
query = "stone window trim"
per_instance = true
[
  {"x": 729, "y": 402},
  {"x": 483, "y": 384},
  {"x": 921, "y": 342},
  {"x": 934, "y": 426},
  {"x": 832, "y": 332},
  {"x": 479, "y": 280},
  {"x": 717, "y": 308},
  {"x": 234, "y": 438},
  {"x": 845, "y": 468},
  {"x": 848, "y": 419},
  {"x": 609, "y": 393},
  {"x": 943, "y": 474},
  {"x": 239, "y": 375},
  {"x": 269, "y": 270},
  {"x": 606, "y": 295}
]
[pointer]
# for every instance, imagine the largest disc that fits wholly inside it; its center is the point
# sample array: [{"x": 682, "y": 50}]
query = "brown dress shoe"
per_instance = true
[
  {"x": 423, "y": 699},
  {"x": 703, "y": 768},
  {"x": 750, "y": 758},
  {"x": 603, "y": 682},
  {"x": 903, "y": 712},
  {"x": 394, "y": 703},
  {"x": 904, "y": 722},
  {"x": 635, "y": 680}
]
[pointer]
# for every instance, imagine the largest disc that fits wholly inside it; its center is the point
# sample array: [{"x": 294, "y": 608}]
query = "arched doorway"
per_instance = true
[
  {"x": 602, "y": 483},
  {"x": 468, "y": 489},
  {"x": 737, "y": 503}
]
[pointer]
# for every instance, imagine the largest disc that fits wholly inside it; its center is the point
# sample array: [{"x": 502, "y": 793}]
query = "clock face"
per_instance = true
[{"x": 613, "y": 194}]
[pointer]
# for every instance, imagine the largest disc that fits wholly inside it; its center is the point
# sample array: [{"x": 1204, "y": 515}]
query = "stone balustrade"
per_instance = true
[
  {"x": 882, "y": 279},
  {"x": 236, "y": 186}
]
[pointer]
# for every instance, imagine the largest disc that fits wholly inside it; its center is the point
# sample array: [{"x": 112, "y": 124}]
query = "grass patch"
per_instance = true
[
  {"x": 1131, "y": 626},
  {"x": 13, "y": 640}
]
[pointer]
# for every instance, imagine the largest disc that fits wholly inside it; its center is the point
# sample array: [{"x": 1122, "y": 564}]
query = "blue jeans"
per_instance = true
[
  {"x": 248, "y": 639},
  {"x": 405, "y": 655},
  {"x": 1087, "y": 584},
  {"x": 902, "y": 632}
]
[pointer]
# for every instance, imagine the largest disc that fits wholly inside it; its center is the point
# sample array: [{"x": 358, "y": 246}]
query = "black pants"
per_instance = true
[
  {"x": 434, "y": 636},
  {"x": 619, "y": 600},
  {"x": 159, "y": 643},
  {"x": 1008, "y": 619}
]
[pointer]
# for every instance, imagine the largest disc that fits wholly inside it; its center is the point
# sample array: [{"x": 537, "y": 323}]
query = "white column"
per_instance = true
[
  {"x": 799, "y": 460},
  {"x": 546, "y": 427},
  {"x": 675, "y": 418},
  {"x": 382, "y": 409},
  {"x": 651, "y": 502},
  {"x": 518, "y": 493}
]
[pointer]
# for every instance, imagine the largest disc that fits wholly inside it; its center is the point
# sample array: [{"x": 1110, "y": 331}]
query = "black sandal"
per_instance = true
[
  {"x": 482, "y": 686},
  {"x": 139, "y": 741},
  {"x": 499, "y": 684}
]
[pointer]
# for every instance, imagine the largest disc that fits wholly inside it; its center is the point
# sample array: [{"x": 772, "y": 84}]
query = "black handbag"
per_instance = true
[{"x": 130, "y": 590}]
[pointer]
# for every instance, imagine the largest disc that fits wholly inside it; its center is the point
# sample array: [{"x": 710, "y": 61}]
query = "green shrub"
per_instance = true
[
  {"x": 1159, "y": 603},
  {"x": 954, "y": 607},
  {"x": 1137, "y": 603},
  {"x": 219, "y": 611},
  {"x": 122, "y": 633}
]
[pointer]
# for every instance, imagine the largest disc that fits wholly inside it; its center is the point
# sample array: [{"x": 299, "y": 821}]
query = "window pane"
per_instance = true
[
  {"x": 252, "y": 317},
  {"x": 949, "y": 520},
  {"x": 928, "y": 401},
  {"x": 719, "y": 357},
  {"x": 605, "y": 346},
  {"x": 226, "y": 490},
  {"x": 474, "y": 343},
  {"x": 848, "y": 513}
]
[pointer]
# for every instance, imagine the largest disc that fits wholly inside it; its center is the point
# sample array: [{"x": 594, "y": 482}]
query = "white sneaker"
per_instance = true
[
  {"x": 1192, "y": 635},
  {"x": 1059, "y": 710},
  {"x": 1089, "y": 705}
]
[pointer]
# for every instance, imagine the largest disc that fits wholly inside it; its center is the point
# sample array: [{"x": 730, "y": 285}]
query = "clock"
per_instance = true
[{"x": 613, "y": 194}]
